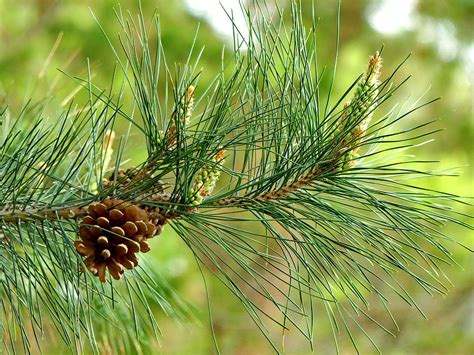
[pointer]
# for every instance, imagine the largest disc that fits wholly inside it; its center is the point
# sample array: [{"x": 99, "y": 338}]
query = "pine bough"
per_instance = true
[{"x": 303, "y": 202}]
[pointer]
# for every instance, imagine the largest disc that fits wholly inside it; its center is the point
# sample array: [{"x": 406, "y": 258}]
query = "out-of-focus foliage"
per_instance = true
[{"x": 39, "y": 36}]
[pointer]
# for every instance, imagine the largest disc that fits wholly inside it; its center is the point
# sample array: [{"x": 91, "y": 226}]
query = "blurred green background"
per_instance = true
[{"x": 39, "y": 36}]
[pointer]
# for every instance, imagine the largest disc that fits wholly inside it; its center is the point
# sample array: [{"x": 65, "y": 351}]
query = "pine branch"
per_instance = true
[{"x": 311, "y": 204}]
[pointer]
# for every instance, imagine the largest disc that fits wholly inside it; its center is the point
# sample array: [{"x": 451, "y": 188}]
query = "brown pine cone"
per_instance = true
[
  {"x": 111, "y": 234},
  {"x": 123, "y": 176},
  {"x": 126, "y": 177}
]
